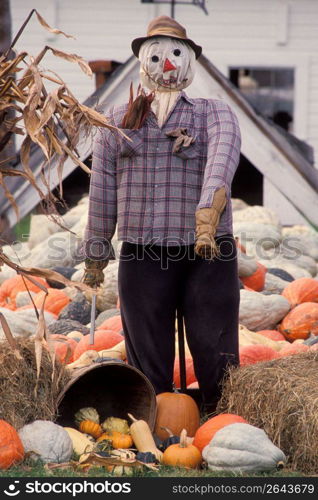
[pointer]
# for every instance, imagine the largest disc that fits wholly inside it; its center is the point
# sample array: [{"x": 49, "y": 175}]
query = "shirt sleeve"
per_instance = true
[
  {"x": 102, "y": 209},
  {"x": 223, "y": 153}
]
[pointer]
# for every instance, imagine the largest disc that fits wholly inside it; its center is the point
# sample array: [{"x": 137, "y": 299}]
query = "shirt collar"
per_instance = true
[{"x": 186, "y": 98}]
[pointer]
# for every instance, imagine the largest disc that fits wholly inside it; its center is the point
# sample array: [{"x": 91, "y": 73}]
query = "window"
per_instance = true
[{"x": 269, "y": 90}]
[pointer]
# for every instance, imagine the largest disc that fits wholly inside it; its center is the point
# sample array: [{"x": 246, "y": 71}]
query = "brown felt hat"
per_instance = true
[{"x": 165, "y": 26}]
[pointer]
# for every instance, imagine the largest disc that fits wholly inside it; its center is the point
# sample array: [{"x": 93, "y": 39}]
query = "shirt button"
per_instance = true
[{"x": 157, "y": 148}]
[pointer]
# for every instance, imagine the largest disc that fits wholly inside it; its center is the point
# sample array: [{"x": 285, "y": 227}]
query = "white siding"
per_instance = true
[{"x": 265, "y": 31}]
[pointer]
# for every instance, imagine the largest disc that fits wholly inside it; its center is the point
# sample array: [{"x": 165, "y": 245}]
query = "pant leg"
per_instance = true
[
  {"x": 148, "y": 297},
  {"x": 211, "y": 314}
]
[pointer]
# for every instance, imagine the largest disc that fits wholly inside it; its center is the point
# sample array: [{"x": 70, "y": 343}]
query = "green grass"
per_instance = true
[{"x": 32, "y": 469}]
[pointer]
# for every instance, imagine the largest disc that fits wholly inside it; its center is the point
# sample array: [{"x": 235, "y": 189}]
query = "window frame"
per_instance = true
[{"x": 297, "y": 61}]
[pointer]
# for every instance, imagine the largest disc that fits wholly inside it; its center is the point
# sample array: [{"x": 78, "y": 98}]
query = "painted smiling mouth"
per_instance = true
[{"x": 168, "y": 81}]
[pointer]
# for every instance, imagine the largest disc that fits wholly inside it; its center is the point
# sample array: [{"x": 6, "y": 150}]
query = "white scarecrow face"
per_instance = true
[{"x": 166, "y": 64}]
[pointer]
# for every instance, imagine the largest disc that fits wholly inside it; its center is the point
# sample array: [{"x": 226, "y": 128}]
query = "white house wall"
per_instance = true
[{"x": 241, "y": 32}]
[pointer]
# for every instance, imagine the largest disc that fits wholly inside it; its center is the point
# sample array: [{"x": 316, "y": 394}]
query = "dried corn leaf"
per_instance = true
[
  {"x": 11, "y": 340},
  {"x": 38, "y": 342},
  {"x": 51, "y": 30},
  {"x": 48, "y": 109},
  {"x": 73, "y": 58},
  {"x": 8, "y": 194},
  {"x": 32, "y": 121},
  {"x": 9, "y": 68},
  {"x": 74, "y": 158},
  {"x": 55, "y": 142}
]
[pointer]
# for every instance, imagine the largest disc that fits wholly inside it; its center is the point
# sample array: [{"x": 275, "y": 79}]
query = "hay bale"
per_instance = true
[
  {"x": 280, "y": 397},
  {"x": 18, "y": 403}
]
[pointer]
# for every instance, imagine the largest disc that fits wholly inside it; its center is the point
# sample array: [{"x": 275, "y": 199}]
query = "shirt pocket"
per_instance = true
[
  {"x": 188, "y": 153},
  {"x": 134, "y": 147}
]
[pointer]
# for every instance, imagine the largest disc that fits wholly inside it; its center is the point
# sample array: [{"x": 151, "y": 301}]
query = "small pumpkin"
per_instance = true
[
  {"x": 182, "y": 454},
  {"x": 87, "y": 413},
  {"x": 118, "y": 439},
  {"x": 103, "y": 339},
  {"x": 112, "y": 424},
  {"x": 300, "y": 322},
  {"x": 207, "y": 430},
  {"x": 176, "y": 411},
  {"x": 11, "y": 447},
  {"x": 90, "y": 427},
  {"x": 301, "y": 290},
  {"x": 251, "y": 354}
]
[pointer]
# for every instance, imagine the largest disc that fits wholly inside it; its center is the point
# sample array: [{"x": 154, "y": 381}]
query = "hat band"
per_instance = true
[{"x": 167, "y": 31}]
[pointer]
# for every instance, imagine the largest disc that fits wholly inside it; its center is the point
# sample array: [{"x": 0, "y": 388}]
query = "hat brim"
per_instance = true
[{"x": 137, "y": 43}]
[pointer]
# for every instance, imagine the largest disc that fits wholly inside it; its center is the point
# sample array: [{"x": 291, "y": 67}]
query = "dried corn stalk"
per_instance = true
[{"x": 53, "y": 120}]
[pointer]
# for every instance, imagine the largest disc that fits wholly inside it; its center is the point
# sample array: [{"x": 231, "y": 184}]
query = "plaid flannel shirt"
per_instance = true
[{"x": 153, "y": 193}]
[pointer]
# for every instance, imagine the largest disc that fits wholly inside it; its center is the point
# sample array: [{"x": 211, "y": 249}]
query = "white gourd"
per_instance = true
[
  {"x": 262, "y": 312},
  {"x": 47, "y": 441},
  {"x": 274, "y": 284},
  {"x": 258, "y": 214},
  {"x": 242, "y": 447},
  {"x": 246, "y": 264},
  {"x": 264, "y": 235}
]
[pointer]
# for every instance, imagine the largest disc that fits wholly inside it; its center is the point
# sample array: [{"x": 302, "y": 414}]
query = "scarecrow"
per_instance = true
[{"x": 169, "y": 190}]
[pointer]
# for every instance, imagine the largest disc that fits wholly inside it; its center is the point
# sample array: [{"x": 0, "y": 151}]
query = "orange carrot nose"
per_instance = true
[{"x": 168, "y": 66}]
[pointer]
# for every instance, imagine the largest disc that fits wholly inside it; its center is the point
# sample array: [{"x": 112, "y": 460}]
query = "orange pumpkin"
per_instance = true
[
  {"x": 118, "y": 439},
  {"x": 113, "y": 323},
  {"x": 255, "y": 353},
  {"x": 176, "y": 411},
  {"x": 301, "y": 290},
  {"x": 64, "y": 348},
  {"x": 190, "y": 375},
  {"x": 206, "y": 432},
  {"x": 11, "y": 447},
  {"x": 257, "y": 280},
  {"x": 182, "y": 454},
  {"x": 55, "y": 301},
  {"x": 291, "y": 349},
  {"x": 272, "y": 334},
  {"x": 300, "y": 322},
  {"x": 91, "y": 428},
  {"x": 103, "y": 339},
  {"x": 12, "y": 286}
]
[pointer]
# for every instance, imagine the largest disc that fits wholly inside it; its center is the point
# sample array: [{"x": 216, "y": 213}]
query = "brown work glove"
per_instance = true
[
  {"x": 94, "y": 275},
  {"x": 207, "y": 220}
]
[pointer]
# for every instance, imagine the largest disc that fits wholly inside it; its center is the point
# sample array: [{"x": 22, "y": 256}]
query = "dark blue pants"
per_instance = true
[{"x": 153, "y": 282}]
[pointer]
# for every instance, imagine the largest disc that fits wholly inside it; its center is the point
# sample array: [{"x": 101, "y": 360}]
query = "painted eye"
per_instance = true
[
  {"x": 155, "y": 58},
  {"x": 177, "y": 52}
]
